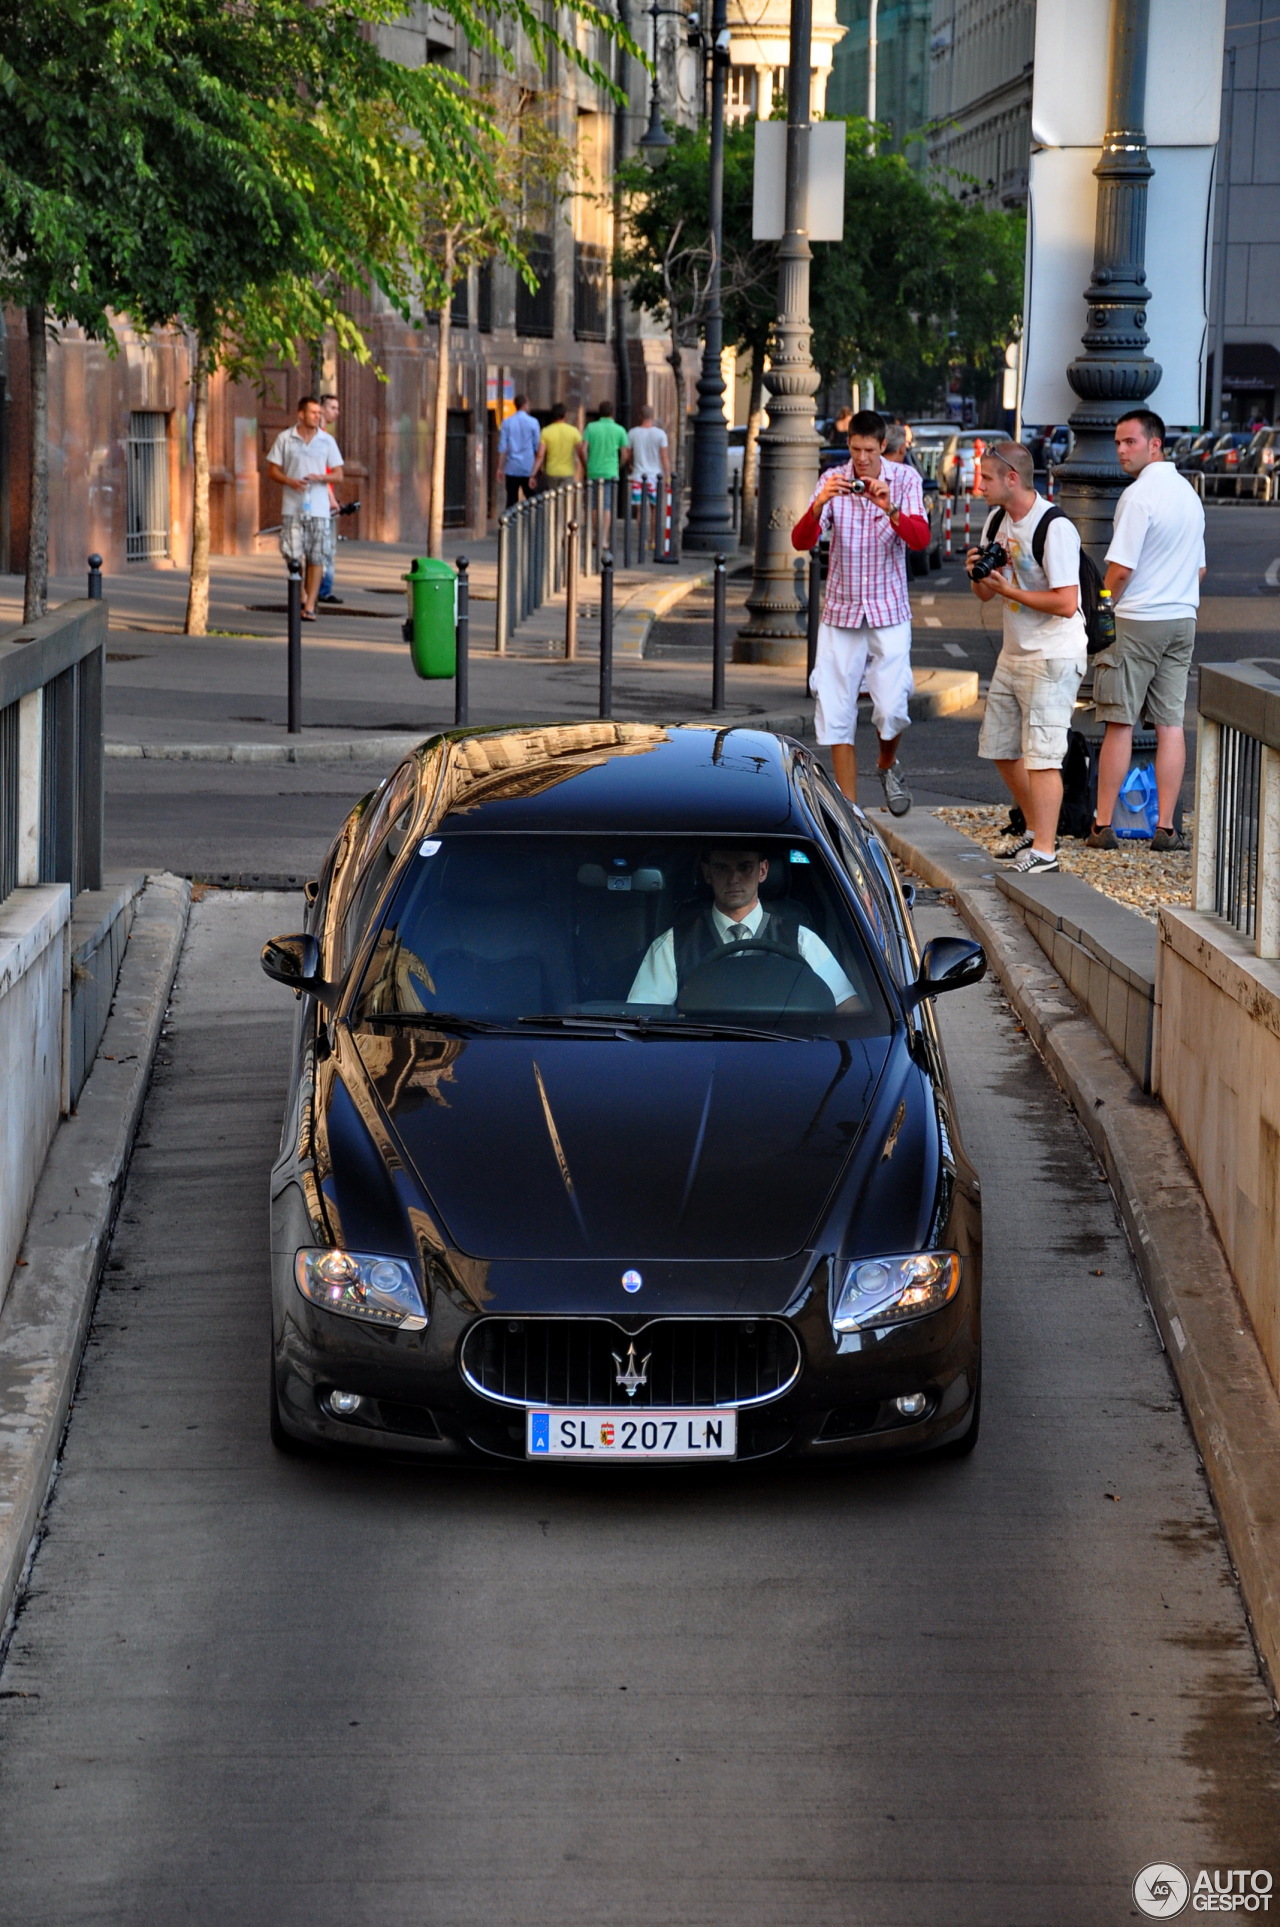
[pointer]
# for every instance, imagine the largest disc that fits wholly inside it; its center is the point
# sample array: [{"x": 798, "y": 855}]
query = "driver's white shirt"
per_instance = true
[{"x": 657, "y": 983}]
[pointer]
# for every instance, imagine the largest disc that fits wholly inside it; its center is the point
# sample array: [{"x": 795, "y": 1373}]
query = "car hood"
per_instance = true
[{"x": 559, "y": 1148}]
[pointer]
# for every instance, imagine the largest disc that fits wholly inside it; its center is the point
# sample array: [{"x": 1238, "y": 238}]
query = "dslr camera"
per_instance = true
[{"x": 988, "y": 560}]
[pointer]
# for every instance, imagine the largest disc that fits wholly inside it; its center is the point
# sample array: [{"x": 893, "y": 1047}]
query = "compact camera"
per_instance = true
[
  {"x": 990, "y": 559},
  {"x": 856, "y": 487}
]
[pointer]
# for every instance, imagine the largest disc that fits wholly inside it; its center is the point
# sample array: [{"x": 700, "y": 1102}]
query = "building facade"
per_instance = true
[
  {"x": 1250, "y": 189},
  {"x": 760, "y": 56},
  {"x": 903, "y": 31},
  {"x": 981, "y": 54},
  {"x": 119, "y": 424}
]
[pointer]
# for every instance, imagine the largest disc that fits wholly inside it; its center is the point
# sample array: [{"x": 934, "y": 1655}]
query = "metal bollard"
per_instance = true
[
  {"x": 815, "y": 610},
  {"x": 571, "y": 592},
  {"x": 295, "y": 647},
  {"x": 95, "y": 578},
  {"x": 717, "y": 636},
  {"x": 606, "y": 633},
  {"x": 461, "y": 690}
]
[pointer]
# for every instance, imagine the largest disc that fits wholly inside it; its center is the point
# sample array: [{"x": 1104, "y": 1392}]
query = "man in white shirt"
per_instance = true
[
  {"x": 1044, "y": 651},
  {"x": 734, "y": 915},
  {"x": 304, "y": 460},
  {"x": 1154, "y": 569},
  {"x": 649, "y": 458}
]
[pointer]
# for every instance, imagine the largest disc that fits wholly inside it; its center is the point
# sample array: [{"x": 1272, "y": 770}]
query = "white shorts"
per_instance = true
[
  {"x": 844, "y": 658},
  {"x": 1029, "y": 707}
]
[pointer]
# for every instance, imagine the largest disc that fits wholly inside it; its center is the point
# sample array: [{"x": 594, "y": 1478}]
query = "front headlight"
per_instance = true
[
  {"x": 887, "y": 1291},
  {"x": 360, "y": 1284}
]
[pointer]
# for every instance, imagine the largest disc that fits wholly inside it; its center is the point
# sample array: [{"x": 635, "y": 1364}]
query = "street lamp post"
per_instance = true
[
  {"x": 775, "y": 630},
  {"x": 710, "y": 524},
  {"x": 1115, "y": 373}
]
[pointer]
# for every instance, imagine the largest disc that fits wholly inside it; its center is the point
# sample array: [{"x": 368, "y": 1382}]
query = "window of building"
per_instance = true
[
  {"x": 147, "y": 488},
  {"x": 740, "y": 94}
]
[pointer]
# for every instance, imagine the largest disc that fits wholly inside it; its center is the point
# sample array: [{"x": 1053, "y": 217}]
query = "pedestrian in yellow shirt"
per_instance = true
[{"x": 557, "y": 456}]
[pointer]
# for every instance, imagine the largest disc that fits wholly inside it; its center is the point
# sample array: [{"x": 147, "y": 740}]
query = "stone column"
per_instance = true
[{"x": 1115, "y": 373}]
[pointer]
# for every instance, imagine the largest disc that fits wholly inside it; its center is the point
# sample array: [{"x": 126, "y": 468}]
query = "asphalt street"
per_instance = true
[{"x": 271, "y": 1691}]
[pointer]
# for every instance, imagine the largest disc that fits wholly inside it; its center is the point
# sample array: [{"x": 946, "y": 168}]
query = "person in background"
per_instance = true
[
  {"x": 1032, "y": 694},
  {"x": 874, "y": 512},
  {"x": 518, "y": 440},
  {"x": 304, "y": 460},
  {"x": 897, "y": 439},
  {"x": 1155, "y": 566},
  {"x": 329, "y": 407},
  {"x": 604, "y": 451},
  {"x": 650, "y": 460},
  {"x": 557, "y": 456}
]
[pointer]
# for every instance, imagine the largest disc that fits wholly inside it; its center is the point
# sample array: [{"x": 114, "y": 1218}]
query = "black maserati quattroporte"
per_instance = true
[{"x": 619, "y": 1130}]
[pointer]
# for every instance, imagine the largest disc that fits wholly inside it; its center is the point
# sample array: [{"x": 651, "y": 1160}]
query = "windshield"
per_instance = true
[{"x": 668, "y": 930}]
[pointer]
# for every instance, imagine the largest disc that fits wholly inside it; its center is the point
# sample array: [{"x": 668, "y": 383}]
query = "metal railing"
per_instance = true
[
  {"x": 535, "y": 550},
  {"x": 1236, "y": 864},
  {"x": 51, "y": 678}
]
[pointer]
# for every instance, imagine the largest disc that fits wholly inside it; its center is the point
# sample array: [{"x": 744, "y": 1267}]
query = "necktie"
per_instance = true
[{"x": 738, "y": 932}]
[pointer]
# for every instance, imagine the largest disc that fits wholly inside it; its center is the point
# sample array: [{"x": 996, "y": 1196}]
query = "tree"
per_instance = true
[{"x": 247, "y": 171}]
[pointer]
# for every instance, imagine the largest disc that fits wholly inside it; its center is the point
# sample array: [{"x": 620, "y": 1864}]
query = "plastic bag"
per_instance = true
[{"x": 1137, "y": 811}]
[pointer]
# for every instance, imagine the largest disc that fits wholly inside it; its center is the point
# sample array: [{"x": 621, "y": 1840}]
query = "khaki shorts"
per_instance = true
[
  {"x": 307, "y": 538},
  {"x": 1029, "y": 709},
  {"x": 1148, "y": 663}
]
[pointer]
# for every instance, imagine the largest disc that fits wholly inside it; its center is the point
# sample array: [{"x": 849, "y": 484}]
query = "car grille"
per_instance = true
[{"x": 579, "y": 1361}]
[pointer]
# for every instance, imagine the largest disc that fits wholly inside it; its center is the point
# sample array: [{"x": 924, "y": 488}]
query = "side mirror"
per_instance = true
[
  {"x": 947, "y": 963},
  {"x": 295, "y": 962}
]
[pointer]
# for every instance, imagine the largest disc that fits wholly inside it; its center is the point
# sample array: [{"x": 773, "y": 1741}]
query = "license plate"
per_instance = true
[{"x": 643, "y": 1435}]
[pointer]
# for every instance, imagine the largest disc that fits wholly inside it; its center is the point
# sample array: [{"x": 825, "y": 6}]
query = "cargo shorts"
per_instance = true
[
  {"x": 307, "y": 538},
  {"x": 1147, "y": 664},
  {"x": 1029, "y": 707}
]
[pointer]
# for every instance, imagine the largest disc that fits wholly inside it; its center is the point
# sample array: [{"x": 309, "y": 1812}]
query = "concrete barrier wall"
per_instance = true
[
  {"x": 1218, "y": 1047},
  {"x": 34, "y": 973}
]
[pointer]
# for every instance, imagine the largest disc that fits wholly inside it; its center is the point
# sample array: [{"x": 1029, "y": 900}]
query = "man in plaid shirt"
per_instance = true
[{"x": 866, "y": 617}]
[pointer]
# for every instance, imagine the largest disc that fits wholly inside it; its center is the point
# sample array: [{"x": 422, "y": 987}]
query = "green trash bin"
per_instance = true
[{"x": 431, "y": 629}]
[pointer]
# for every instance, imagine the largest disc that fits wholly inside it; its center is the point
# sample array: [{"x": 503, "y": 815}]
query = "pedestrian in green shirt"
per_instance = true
[{"x": 606, "y": 441}]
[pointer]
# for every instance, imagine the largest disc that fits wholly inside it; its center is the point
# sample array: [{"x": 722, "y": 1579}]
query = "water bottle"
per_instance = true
[{"x": 1106, "y": 622}]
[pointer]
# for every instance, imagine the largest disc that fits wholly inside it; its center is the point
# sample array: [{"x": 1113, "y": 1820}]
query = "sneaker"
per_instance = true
[
  {"x": 1032, "y": 864},
  {"x": 1102, "y": 837},
  {"x": 1165, "y": 840},
  {"x": 334, "y": 601},
  {"x": 1014, "y": 847},
  {"x": 896, "y": 793}
]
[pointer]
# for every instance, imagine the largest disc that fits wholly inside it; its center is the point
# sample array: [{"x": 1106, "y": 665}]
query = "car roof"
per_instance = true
[{"x": 615, "y": 777}]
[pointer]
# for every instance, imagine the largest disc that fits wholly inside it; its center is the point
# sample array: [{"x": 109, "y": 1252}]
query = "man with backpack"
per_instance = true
[{"x": 1030, "y": 556}]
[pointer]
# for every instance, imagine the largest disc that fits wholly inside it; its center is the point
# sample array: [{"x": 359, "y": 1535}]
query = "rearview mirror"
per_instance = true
[
  {"x": 294, "y": 961},
  {"x": 947, "y": 963}
]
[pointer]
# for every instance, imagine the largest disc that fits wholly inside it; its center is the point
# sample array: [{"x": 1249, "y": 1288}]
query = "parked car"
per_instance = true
[
  {"x": 737, "y": 450},
  {"x": 1262, "y": 454},
  {"x": 1227, "y": 451},
  {"x": 958, "y": 462},
  {"x": 566, "y": 1175},
  {"x": 1196, "y": 455}
]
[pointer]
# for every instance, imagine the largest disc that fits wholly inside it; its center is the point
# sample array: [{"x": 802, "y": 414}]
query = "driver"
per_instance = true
[{"x": 735, "y": 915}]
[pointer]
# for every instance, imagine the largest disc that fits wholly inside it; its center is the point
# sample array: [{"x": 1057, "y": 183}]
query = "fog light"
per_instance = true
[
  {"x": 347, "y": 1404},
  {"x": 910, "y": 1407}
]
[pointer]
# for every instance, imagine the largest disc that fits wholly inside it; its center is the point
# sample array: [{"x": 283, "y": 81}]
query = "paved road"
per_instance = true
[{"x": 255, "y": 1690}]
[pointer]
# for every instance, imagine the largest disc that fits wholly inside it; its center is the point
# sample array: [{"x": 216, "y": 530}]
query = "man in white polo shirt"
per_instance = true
[
  {"x": 304, "y": 460},
  {"x": 1154, "y": 569}
]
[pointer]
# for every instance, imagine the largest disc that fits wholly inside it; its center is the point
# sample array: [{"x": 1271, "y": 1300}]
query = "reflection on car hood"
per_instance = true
[{"x": 554, "y": 1148}]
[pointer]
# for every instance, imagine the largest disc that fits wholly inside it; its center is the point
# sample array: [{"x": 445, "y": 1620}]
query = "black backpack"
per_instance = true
[{"x": 1090, "y": 580}]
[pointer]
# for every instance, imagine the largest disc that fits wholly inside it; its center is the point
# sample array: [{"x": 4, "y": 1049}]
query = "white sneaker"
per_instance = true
[
  {"x": 1014, "y": 847},
  {"x": 896, "y": 793},
  {"x": 1032, "y": 864}
]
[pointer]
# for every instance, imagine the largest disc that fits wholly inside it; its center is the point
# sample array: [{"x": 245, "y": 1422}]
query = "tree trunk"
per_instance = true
[
  {"x": 440, "y": 430},
  {"x": 35, "y": 601},
  {"x": 751, "y": 450},
  {"x": 197, "y": 623}
]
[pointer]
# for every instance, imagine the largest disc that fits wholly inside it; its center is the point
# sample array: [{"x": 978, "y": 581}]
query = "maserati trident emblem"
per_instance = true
[
  {"x": 634, "y": 1373},
  {"x": 631, "y": 1281}
]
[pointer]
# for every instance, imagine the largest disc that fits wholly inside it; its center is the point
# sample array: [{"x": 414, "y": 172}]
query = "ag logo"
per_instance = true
[{"x": 1162, "y": 1890}]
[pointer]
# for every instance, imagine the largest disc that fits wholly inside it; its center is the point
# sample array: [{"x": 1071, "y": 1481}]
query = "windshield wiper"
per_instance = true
[
  {"x": 432, "y": 1020},
  {"x": 663, "y": 1027}
]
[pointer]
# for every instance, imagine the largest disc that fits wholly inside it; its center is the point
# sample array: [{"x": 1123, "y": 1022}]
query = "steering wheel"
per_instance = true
[{"x": 778, "y": 981}]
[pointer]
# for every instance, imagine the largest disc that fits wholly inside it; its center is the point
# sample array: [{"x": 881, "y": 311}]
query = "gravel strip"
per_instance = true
[{"x": 1130, "y": 875}]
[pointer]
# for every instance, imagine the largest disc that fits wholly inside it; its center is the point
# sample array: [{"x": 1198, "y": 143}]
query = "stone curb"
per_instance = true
[
  {"x": 45, "y": 1318},
  {"x": 1227, "y": 1391}
]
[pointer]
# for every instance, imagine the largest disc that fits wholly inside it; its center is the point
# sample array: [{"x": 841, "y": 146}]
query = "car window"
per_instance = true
[
  {"x": 382, "y": 843},
  {"x": 500, "y": 928},
  {"x": 870, "y": 887}
]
